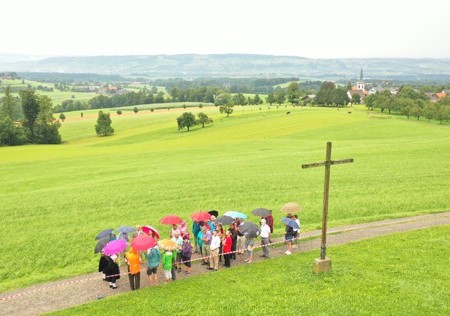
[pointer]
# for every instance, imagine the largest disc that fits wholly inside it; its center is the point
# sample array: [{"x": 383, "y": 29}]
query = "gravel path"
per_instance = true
[{"x": 57, "y": 295}]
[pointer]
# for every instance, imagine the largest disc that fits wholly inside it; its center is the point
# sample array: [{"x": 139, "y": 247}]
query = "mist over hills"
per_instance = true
[{"x": 239, "y": 65}]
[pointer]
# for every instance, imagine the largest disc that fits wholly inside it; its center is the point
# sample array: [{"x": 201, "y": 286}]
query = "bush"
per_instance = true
[
  {"x": 119, "y": 112},
  {"x": 62, "y": 117}
]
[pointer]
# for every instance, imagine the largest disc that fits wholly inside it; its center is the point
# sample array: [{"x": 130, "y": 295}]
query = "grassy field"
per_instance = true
[
  {"x": 408, "y": 277},
  {"x": 56, "y": 198}
]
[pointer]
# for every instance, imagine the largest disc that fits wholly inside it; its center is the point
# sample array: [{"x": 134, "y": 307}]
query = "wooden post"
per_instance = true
[{"x": 324, "y": 264}]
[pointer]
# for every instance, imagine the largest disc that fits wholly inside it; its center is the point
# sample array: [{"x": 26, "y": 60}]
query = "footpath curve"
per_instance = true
[{"x": 57, "y": 295}]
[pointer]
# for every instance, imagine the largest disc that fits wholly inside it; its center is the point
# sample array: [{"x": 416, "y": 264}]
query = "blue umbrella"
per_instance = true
[
  {"x": 104, "y": 233},
  {"x": 290, "y": 222},
  {"x": 235, "y": 214},
  {"x": 126, "y": 229}
]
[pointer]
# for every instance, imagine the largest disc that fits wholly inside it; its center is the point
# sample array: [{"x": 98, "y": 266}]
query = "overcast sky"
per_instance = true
[{"x": 314, "y": 29}]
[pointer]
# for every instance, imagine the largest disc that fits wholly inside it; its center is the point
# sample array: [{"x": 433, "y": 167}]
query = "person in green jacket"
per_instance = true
[
  {"x": 167, "y": 261},
  {"x": 154, "y": 257}
]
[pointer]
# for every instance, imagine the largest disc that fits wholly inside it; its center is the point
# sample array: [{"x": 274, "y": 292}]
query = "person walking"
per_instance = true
[
  {"x": 133, "y": 260},
  {"x": 214, "y": 248},
  {"x": 153, "y": 257},
  {"x": 265, "y": 238},
  {"x": 288, "y": 237}
]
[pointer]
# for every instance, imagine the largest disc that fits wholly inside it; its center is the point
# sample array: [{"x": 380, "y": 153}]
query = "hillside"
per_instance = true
[{"x": 194, "y": 65}]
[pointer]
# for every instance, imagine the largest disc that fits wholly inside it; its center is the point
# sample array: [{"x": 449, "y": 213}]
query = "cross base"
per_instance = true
[{"x": 321, "y": 265}]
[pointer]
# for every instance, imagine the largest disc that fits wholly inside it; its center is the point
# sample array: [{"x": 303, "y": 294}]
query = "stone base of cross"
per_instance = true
[{"x": 324, "y": 263}]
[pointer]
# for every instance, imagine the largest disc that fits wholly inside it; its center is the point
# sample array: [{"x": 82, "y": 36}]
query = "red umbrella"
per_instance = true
[
  {"x": 143, "y": 242},
  {"x": 200, "y": 216},
  {"x": 171, "y": 220},
  {"x": 150, "y": 230}
]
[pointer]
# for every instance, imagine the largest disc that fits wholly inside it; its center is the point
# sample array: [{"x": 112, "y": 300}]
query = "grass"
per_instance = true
[
  {"x": 56, "y": 198},
  {"x": 400, "y": 274}
]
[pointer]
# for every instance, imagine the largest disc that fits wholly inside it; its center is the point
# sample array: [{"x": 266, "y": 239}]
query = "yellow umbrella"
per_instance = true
[
  {"x": 167, "y": 244},
  {"x": 291, "y": 208}
]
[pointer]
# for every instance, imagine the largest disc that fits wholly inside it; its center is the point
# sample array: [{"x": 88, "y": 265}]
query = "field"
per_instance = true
[
  {"x": 56, "y": 198},
  {"x": 368, "y": 278}
]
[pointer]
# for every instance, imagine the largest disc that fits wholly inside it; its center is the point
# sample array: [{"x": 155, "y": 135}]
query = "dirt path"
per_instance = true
[{"x": 53, "y": 296}]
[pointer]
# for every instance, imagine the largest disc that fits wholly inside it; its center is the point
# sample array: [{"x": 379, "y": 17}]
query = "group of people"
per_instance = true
[{"x": 210, "y": 241}]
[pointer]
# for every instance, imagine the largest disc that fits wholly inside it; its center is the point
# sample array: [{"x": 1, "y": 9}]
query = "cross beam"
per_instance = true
[{"x": 327, "y": 163}]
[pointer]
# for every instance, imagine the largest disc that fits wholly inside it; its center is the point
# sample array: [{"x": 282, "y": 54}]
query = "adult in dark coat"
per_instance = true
[
  {"x": 112, "y": 271},
  {"x": 102, "y": 265}
]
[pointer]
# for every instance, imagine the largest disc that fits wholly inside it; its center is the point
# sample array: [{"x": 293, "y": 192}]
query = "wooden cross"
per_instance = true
[{"x": 327, "y": 163}]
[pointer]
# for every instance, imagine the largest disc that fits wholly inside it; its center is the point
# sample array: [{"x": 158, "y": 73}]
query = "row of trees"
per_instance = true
[
  {"x": 409, "y": 102},
  {"x": 187, "y": 119},
  {"x": 28, "y": 119}
]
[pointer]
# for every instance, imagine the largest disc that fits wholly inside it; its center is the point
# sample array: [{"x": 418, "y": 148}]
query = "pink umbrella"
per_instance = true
[
  {"x": 114, "y": 247},
  {"x": 143, "y": 242},
  {"x": 150, "y": 230},
  {"x": 171, "y": 220}
]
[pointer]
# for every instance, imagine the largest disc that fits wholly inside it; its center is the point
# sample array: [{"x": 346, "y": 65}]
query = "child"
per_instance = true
[
  {"x": 167, "y": 264},
  {"x": 227, "y": 245},
  {"x": 186, "y": 254}
]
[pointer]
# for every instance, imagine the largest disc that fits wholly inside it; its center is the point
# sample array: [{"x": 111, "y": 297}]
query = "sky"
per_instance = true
[{"x": 313, "y": 29}]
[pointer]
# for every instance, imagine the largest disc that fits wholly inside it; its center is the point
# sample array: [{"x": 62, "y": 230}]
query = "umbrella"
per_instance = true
[
  {"x": 290, "y": 222},
  {"x": 126, "y": 229},
  {"x": 235, "y": 214},
  {"x": 249, "y": 229},
  {"x": 171, "y": 220},
  {"x": 104, "y": 233},
  {"x": 225, "y": 220},
  {"x": 143, "y": 242},
  {"x": 167, "y": 244},
  {"x": 150, "y": 230},
  {"x": 100, "y": 245},
  {"x": 213, "y": 213},
  {"x": 262, "y": 212},
  {"x": 200, "y": 216},
  {"x": 114, "y": 247},
  {"x": 290, "y": 208},
  {"x": 123, "y": 236}
]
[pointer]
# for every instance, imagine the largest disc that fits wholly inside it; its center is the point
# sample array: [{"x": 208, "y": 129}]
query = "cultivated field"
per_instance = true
[{"x": 56, "y": 198}]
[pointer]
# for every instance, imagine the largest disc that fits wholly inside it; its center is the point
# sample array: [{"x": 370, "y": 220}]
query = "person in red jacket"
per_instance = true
[
  {"x": 269, "y": 221},
  {"x": 226, "y": 248}
]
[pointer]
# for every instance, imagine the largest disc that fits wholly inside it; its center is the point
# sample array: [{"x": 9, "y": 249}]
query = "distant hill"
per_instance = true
[{"x": 220, "y": 65}]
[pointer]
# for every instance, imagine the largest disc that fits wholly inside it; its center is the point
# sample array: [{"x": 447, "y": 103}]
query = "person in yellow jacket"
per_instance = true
[{"x": 133, "y": 261}]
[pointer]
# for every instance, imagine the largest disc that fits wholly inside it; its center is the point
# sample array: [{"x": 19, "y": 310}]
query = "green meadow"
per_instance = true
[
  {"x": 56, "y": 198},
  {"x": 408, "y": 277}
]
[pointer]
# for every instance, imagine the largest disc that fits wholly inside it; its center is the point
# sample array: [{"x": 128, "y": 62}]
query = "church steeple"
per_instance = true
[{"x": 360, "y": 84}]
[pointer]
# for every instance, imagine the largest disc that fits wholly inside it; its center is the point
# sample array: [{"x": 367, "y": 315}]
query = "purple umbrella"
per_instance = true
[{"x": 114, "y": 247}]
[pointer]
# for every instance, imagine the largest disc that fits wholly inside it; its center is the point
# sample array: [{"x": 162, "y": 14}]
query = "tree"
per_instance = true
[
  {"x": 293, "y": 92},
  {"x": 257, "y": 100},
  {"x": 135, "y": 110},
  {"x": 10, "y": 106},
  {"x": 356, "y": 98},
  {"x": 119, "y": 112},
  {"x": 203, "y": 119},
  {"x": 11, "y": 134},
  {"x": 30, "y": 107},
  {"x": 103, "y": 126},
  {"x": 227, "y": 109},
  {"x": 223, "y": 98},
  {"x": 187, "y": 119},
  {"x": 279, "y": 95},
  {"x": 62, "y": 117},
  {"x": 270, "y": 99}
]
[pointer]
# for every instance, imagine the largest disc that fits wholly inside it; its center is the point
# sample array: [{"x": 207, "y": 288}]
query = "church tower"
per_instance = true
[{"x": 360, "y": 84}]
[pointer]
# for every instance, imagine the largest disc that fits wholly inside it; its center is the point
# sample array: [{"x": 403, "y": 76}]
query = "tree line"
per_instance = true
[
  {"x": 27, "y": 119},
  {"x": 410, "y": 103}
]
